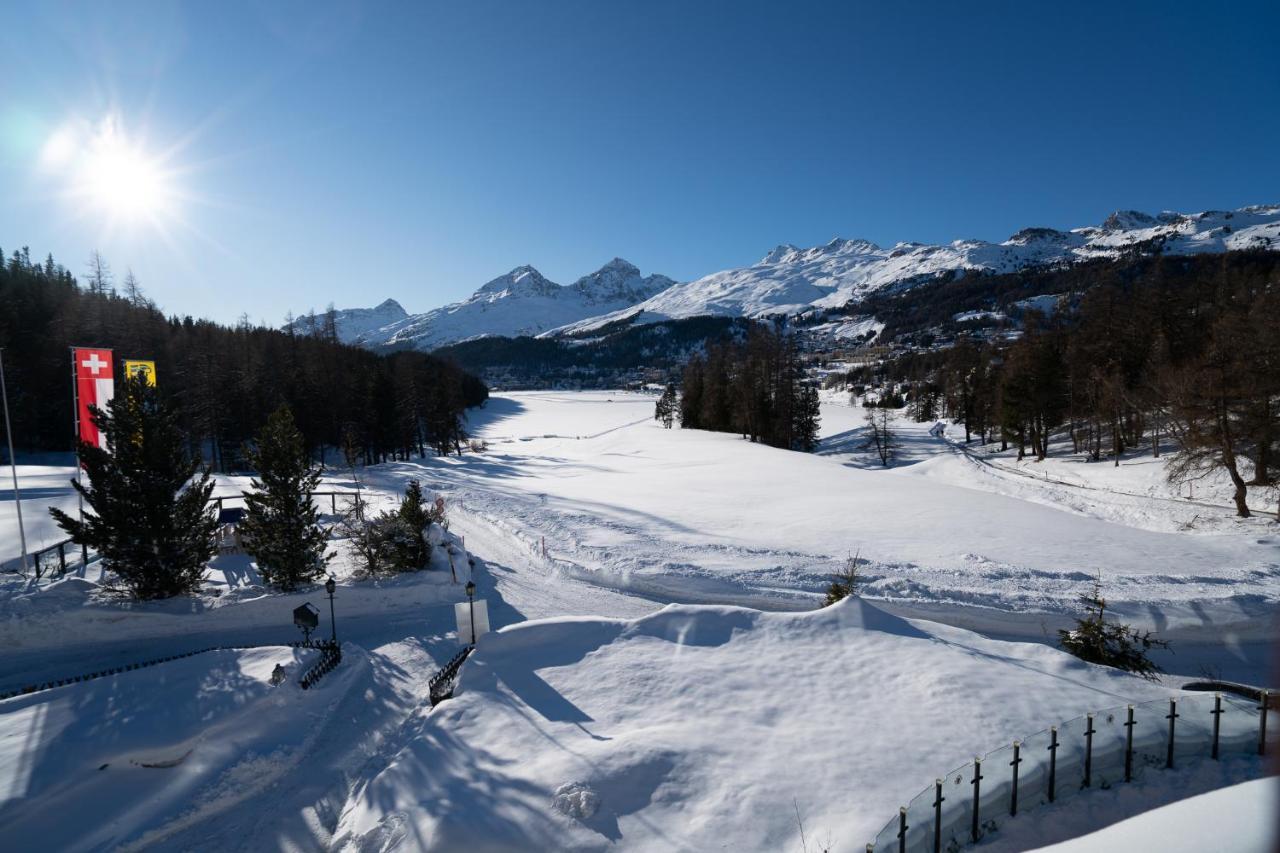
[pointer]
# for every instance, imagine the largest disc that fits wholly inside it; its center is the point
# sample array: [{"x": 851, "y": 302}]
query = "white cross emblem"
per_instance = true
[{"x": 94, "y": 363}]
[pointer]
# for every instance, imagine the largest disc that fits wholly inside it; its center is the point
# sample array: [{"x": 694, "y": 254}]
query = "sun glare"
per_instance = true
[{"x": 110, "y": 173}]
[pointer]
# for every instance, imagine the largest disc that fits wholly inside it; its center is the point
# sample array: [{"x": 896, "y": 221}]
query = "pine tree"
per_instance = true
[
  {"x": 664, "y": 411},
  {"x": 844, "y": 582},
  {"x": 1110, "y": 644},
  {"x": 148, "y": 498},
  {"x": 808, "y": 416},
  {"x": 414, "y": 513},
  {"x": 281, "y": 528}
]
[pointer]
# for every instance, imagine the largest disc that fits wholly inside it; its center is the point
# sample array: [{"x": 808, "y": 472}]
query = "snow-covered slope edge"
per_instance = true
[
  {"x": 790, "y": 280},
  {"x": 708, "y": 728}
]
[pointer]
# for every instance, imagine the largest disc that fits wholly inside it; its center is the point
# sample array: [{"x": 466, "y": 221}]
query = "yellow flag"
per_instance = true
[{"x": 145, "y": 369}]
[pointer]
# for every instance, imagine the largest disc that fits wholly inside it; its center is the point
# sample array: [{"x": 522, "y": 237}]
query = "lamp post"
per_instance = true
[
  {"x": 471, "y": 600},
  {"x": 329, "y": 587}
]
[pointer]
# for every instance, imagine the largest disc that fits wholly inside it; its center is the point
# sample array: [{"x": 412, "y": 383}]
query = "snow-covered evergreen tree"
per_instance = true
[
  {"x": 416, "y": 516},
  {"x": 664, "y": 411},
  {"x": 148, "y": 499},
  {"x": 281, "y": 528}
]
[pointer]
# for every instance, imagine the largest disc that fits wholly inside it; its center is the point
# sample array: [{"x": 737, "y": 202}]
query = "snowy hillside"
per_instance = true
[
  {"x": 790, "y": 280},
  {"x": 521, "y": 302}
]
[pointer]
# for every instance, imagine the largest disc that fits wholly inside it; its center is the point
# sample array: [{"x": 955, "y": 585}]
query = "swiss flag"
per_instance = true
[{"x": 95, "y": 386}]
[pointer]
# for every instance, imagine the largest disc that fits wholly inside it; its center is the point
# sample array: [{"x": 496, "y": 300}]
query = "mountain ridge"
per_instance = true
[{"x": 790, "y": 280}]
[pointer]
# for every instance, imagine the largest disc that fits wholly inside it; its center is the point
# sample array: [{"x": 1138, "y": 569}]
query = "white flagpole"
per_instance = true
[
  {"x": 13, "y": 463},
  {"x": 75, "y": 414}
]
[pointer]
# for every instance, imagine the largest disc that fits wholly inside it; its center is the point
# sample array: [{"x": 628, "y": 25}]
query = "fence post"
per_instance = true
[
  {"x": 1053, "y": 761},
  {"x": 1262, "y": 722},
  {"x": 62, "y": 559},
  {"x": 902, "y": 829},
  {"x": 1013, "y": 800},
  {"x": 1172, "y": 716},
  {"x": 937, "y": 815},
  {"x": 1088, "y": 750},
  {"x": 1128, "y": 745},
  {"x": 333, "y": 503},
  {"x": 1217, "y": 722},
  {"x": 977, "y": 795}
]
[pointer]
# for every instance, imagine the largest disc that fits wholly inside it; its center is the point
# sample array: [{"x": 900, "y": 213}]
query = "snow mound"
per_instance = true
[
  {"x": 708, "y": 727},
  {"x": 576, "y": 800}
]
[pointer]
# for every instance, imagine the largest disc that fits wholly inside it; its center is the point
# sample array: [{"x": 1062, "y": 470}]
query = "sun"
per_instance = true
[
  {"x": 123, "y": 181},
  {"x": 110, "y": 174}
]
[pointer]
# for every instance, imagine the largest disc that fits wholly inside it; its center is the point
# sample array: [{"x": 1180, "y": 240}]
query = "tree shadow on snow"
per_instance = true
[
  {"x": 494, "y": 410},
  {"x": 913, "y": 447}
]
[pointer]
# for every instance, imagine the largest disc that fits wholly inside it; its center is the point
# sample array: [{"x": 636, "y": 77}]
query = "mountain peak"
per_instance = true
[
  {"x": 523, "y": 280},
  {"x": 621, "y": 265},
  {"x": 390, "y": 306},
  {"x": 619, "y": 280},
  {"x": 1128, "y": 220},
  {"x": 780, "y": 251}
]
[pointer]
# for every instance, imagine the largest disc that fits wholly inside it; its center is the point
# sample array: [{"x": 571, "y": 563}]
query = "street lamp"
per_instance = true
[
  {"x": 471, "y": 599},
  {"x": 329, "y": 586}
]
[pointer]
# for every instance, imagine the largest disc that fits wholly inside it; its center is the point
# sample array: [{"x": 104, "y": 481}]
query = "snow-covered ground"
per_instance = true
[{"x": 594, "y": 718}]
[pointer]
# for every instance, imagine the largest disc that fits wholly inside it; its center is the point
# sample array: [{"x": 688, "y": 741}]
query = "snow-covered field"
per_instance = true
[{"x": 595, "y": 718}]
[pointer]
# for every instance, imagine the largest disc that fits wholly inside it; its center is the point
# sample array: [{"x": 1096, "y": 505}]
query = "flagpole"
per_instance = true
[
  {"x": 13, "y": 463},
  {"x": 75, "y": 407}
]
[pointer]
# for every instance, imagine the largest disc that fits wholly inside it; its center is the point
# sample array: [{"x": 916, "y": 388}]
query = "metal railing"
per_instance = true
[
  {"x": 441, "y": 684},
  {"x": 330, "y": 657},
  {"x": 1096, "y": 751}
]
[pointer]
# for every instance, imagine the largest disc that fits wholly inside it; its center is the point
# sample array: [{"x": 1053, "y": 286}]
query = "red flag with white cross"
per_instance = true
[{"x": 95, "y": 386}]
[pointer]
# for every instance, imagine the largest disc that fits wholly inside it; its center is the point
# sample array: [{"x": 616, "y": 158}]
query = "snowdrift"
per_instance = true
[
  {"x": 702, "y": 728},
  {"x": 137, "y": 756}
]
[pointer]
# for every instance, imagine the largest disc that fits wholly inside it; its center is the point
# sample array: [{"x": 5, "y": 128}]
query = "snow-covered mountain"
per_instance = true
[
  {"x": 521, "y": 302},
  {"x": 790, "y": 280},
  {"x": 354, "y": 325}
]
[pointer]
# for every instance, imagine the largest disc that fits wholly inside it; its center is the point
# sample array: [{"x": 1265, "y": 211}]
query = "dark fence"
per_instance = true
[
  {"x": 60, "y": 557},
  {"x": 441, "y": 684},
  {"x": 328, "y": 648},
  {"x": 330, "y": 657},
  {"x": 64, "y": 556},
  {"x": 1098, "y": 750}
]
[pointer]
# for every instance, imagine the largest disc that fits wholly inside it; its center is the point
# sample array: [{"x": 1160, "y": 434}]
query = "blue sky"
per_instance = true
[{"x": 315, "y": 152}]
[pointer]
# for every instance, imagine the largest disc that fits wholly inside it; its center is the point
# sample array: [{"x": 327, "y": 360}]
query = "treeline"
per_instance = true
[
  {"x": 222, "y": 381},
  {"x": 1186, "y": 349},
  {"x": 755, "y": 388}
]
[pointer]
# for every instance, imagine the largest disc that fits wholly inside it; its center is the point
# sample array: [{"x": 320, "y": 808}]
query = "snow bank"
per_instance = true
[
  {"x": 1239, "y": 819},
  {"x": 709, "y": 728},
  {"x": 136, "y": 755}
]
